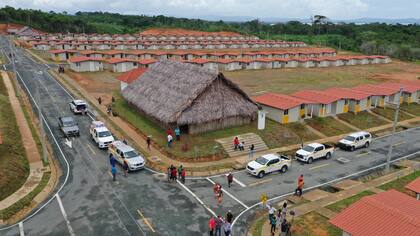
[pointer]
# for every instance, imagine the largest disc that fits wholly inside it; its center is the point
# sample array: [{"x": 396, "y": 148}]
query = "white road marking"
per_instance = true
[
  {"x": 237, "y": 181},
  {"x": 91, "y": 149},
  {"x": 63, "y": 212},
  {"x": 397, "y": 144},
  {"x": 319, "y": 166},
  {"x": 230, "y": 195},
  {"x": 21, "y": 232},
  {"x": 146, "y": 221},
  {"x": 260, "y": 182},
  {"x": 197, "y": 198},
  {"x": 363, "y": 154},
  {"x": 68, "y": 143}
]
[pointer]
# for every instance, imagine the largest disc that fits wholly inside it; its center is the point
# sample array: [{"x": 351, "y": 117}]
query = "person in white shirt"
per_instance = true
[{"x": 170, "y": 139}]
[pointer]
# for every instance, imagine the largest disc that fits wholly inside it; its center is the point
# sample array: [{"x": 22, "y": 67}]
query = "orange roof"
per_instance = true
[
  {"x": 346, "y": 93},
  {"x": 87, "y": 52},
  {"x": 81, "y": 59},
  {"x": 375, "y": 90},
  {"x": 279, "y": 101},
  {"x": 131, "y": 75},
  {"x": 146, "y": 61},
  {"x": 388, "y": 213},
  {"x": 414, "y": 185},
  {"x": 409, "y": 88},
  {"x": 315, "y": 96},
  {"x": 120, "y": 60}
]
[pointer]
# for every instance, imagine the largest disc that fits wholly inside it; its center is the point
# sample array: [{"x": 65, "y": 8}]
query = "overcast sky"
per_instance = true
[{"x": 334, "y": 9}]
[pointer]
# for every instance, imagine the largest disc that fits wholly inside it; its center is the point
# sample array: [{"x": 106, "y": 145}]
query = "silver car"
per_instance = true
[{"x": 68, "y": 126}]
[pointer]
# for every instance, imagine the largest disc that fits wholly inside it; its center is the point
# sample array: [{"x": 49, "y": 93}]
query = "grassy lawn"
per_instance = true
[
  {"x": 341, "y": 205},
  {"x": 198, "y": 145},
  {"x": 314, "y": 224},
  {"x": 362, "y": 120},
  {"x": 412, "y": 108},
  {"x": 258, "y": 226},
  {"x": 389, "y": 113},
  {"x": 399, "y": 184},
  {"x": 13, "y": 163},
  {"x": 328, "y": 126}
]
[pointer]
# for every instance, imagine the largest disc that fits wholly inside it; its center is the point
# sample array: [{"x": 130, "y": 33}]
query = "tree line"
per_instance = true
[{"x": 398, "y": 41}]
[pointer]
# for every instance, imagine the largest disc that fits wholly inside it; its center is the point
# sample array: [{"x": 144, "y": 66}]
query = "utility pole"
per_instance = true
[{"x": 394, "y": 126}]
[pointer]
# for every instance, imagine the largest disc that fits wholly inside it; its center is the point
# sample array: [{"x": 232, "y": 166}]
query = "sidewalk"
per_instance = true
[{"x": 33, "y": 156}]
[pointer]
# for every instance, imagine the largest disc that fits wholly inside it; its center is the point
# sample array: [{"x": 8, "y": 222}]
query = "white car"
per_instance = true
[
  {"x": 355, "y": 140},
  {"x": 78, "y": 107},
  {"x": 100, "y": 134},
  {"x": 268, "y": 163},
  {"x": 314, "y": 151},
  {"x": 124, "y": 153}
]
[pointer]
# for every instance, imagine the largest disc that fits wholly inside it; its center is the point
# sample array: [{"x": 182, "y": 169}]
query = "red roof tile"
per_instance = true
[
  {"x": 384, "y": 214},
  {"x": 375, "y": 90},
  {"x": 146, "y": 61},
  {"x": 346, "y": 93},
  {"x": 279, "y": 101},
  {"x": 80, "y": 59},
  {"x": 409, "y": 88},
  {"x": 131, "y": 75},
  {"x": 414, "y": 185},
  {"x": 120, "y": 60},
  {"x": 315, "y": 96}
]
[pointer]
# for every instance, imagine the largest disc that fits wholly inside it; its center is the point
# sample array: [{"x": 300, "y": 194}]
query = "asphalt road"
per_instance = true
[{"x": 89, "y": 203}]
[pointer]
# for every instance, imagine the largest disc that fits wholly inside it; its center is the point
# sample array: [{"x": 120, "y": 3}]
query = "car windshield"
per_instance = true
[
  {"x": 67, "y": 123},
  {"x": 81, "y": 107},
  {"x": 104, "y": 134},
  {"x": 261, "y": 160},
  {"x": 308, "y": 149},
  {"x": 350, "y": 138},
  {"x": 131, "y": 154}
]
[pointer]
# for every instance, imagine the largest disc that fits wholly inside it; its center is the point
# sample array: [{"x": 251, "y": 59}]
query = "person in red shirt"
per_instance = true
[
  {"x": 183, "y": 174},
  {"x": 300, "y": 185},
  {"x": 236, "y": 143},
  {"x": 212, "y": 226},
  {"x": 173, "y": 171}
]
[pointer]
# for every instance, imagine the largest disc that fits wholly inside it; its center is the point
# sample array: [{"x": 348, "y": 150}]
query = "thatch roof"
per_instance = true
[{"x": 181, "y": 93}]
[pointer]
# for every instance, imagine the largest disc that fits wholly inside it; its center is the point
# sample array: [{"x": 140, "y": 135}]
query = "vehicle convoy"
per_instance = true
[
  {"x": 124, "y": 153},
  {"x": 314, "y": 151},
  {"x": 78, "y": 107},
  {"x": 355, "y": 140},
  {"x": 100, "y": 134},
  {"x": 68, "y": 126},
  {"x": 267, "y": 164}
]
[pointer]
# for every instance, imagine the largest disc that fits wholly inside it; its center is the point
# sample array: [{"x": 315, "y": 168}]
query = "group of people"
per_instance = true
[
  {"x": 174, "y": 173},
  {"x": 109, "y": 107},
  {"x": 278, "y": 219},
  {"x": 170, "y": 135},
  {"x": 113, "y": 162},
  {"x": 238, "y": 145},
  {"x": 218, "y": 224}
]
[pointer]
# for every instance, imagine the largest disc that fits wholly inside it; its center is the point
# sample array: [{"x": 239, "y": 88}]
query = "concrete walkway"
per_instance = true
[{"x": 33, "y": 156}]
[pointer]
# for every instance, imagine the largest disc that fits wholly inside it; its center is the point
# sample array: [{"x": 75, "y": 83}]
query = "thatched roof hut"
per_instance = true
[{"x": 189, "y": 96}]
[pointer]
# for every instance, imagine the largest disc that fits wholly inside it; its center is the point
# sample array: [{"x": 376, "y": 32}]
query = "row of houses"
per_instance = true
[
  {"x": 61, "y": 55},
  {"x": 116, "y": 64},
  {"x": 333, "y": 101},
  {"x": 169, "y": 45}
]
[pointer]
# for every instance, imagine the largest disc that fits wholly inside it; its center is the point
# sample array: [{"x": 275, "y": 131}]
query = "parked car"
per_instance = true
[
  {"x": 267, "y": 164},
  {"x": 122, "y": 152},
  {"x": 100, "y": 134},
  {"x": 355, "y": 140},
  {"x": 78, "y": 107},
  {"x": 68, "y": 126},
  {"x": 314, "y": 151}
]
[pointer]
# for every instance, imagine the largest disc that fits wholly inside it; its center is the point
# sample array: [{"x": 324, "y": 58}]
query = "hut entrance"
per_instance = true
[{"x": 184, "y": 129}]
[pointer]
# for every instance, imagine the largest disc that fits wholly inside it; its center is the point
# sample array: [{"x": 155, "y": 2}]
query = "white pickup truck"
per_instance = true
[
  {"x": 314, "y": 151},
  {"x": 100, "y": 134},
  {"x": 268, "y": 163}
]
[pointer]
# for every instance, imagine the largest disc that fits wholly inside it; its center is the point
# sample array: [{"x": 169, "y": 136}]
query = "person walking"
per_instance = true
[
  {"x": 113, "y": 172},
  {"x": 241, "y": 146},
  {"x": 212, "y": 226},
  {"x": 227, "y": 228},
  {"x": 173, "y": 174},
  {"x": 273, "y": 223},
  {"x": 235, "y": 143},
  {"x": 178, "y": 134},
  {"x": 109, "y": 109},
  {"x": 284, "y": 228},
  {"x": 112, "y": 99},
  {"x": 180, "y": 171},
  {"x": 229, "y": 216},
  {"x": 219, "y": 225},
  {"x": 219, "y": 195},
  {"x": 148, "y": 141},
  {"x": 251, "y": 151},
  {"x": 229, "y": 179},
  {"x": 112, "y": 159},
  {"x": 170, "y": 139},
  {"x": 99, "y": 100},
  {"x": 300, "y": 184},
  {"x": 283, "y": 212},
  {"x": 183, "y": 174},
  {"x": 125, "y": 167}
]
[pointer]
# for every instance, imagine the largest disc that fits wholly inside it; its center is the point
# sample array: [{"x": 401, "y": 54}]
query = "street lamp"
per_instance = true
[{"x": 394, "y": 127}]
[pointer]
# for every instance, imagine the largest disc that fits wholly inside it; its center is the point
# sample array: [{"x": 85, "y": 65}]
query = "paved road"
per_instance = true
[{"x": 145, "y": 203}]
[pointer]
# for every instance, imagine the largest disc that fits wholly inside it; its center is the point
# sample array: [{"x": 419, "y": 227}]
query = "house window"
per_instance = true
[
  {"x": 77, "y": 64},
  {"x": 302, "y": 106},
  {"x": 346, "y": 102},
  {"x": 134, "y": 63},
  {"x": 286, "y": 112},
  {"x": 357, "y": 102}
]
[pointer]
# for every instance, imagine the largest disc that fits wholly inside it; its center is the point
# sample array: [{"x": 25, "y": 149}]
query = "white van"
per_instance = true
[{"x": 355, "y": 140}]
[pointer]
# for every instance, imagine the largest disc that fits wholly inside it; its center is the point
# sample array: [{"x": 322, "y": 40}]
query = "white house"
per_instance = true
[
  {"x": 86, "y": 64},
  {"x": 323, "y": 104},
  {"x": 122, "y": 64}
]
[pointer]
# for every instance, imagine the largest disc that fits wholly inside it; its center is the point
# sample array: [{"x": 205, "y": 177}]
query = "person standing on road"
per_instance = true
[
  {"x": 230, "y": 179},
  {"x": 229, "y": 216},
  {"x": 169, "y": 173},
  {"x": 219, "y": 225},
  {"x": 251, "y": 151},
  {"x": 178, "y": 134},
  {"x": 300, "y": 185},
  {"x": 212, "y": 226},
  {"x": 180, "y": 168},
  {"x": 112, "y": 159},
  {"x": 219, "y": 195},
  {"x": 183, "y": 174},
  {"x": 170, "y": 139},
  {"x": 227, "y": 228},
  {"x": 173, "y": 174},
  {"x": 114, "y": 172},
  {"x": 125, "y": 167},
  {"x": 148, "y": 141}
]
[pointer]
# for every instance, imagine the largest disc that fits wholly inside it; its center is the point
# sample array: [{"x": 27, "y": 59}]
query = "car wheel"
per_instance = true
[
  {"x": 328, "y": 156},
  {"x": 283, "y": 169},
  {"x": 367, "y": 144},
  {"x": 352, "y": 148},
  {"x": 310, "y": 160},
  {"x": 261, "y": 174}
]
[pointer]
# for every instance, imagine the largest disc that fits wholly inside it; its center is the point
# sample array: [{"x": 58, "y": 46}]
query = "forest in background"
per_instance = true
[{"x": 398, "y": 41}]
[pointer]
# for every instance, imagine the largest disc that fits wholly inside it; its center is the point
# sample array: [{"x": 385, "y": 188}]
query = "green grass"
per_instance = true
[
  {"x": 399, "y": 184},
  {"x": 26, "y": 201},
  {"x": 389, "y": 113},
  {"x": 199, "y": 145},
  {"x": 412, "y": 108},
  {"x": 258, "y": 226},
  {"x": 313, "y": 223},
  {"x": 328, "y": 126},
  {"x": 13, "y": 162},
  {"x": 362, "y": 120},
  {"x": 341, "y": 205}
]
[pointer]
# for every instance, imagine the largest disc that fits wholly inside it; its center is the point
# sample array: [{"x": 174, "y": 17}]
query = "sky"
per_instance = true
[{"x": 302, "y": 9}]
